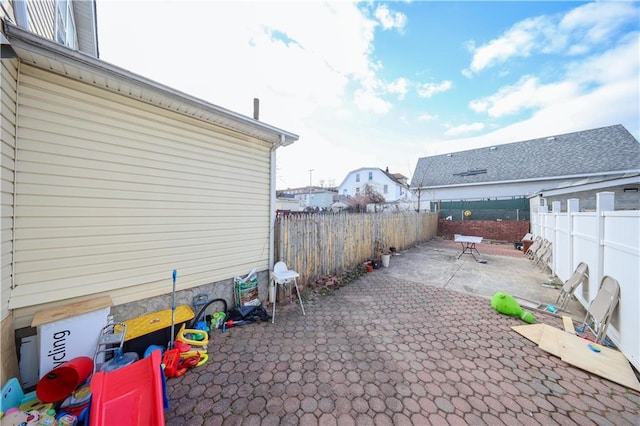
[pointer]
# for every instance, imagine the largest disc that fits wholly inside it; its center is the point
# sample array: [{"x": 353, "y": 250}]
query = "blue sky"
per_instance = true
[{"x": 381, "y": 84}]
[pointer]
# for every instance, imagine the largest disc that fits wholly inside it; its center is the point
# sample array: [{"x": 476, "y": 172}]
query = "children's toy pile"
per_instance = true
[{"x": 125, "y": 381}]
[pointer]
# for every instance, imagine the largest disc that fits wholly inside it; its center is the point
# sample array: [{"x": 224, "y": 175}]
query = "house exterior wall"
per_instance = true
[
  {"x": 484, "y": 191},
  {"x": 321, "y": 199},
  {"x": 356, "y": 180},
  {"x": 6, "y": 9},
  {"x": 41, "y": 20},
  {"x": 8, "y": 77},
  {"x": 77, "y": 23},
  {"x": 623, "y": 200},
  {"x": 113, "y": 194},
  {"x": 288, "y": 204}
]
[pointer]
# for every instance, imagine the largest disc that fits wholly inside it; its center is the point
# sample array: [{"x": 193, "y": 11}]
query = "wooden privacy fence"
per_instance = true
[{"x": 318, "y": 245}]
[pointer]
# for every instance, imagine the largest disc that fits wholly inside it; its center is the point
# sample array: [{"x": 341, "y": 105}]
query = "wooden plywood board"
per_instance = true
[
  {"x": 608, "y": 363},
  {"x": 568, "y": 324},
  {"x": 549, "y": 340},
  {"x": 532, "y": 332},
  {"x": 70, "y": 310},
  {"x": 9, "y": 360}
]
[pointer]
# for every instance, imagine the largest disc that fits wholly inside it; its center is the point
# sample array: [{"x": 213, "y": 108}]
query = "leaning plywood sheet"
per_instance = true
[
  {"x": 60, "y": 313},
  {"x": 532, "y": 332},
  {"x": 549, "y": 340},
  {"x": 568, "y": 324},
  {"x": 608, "y": 363}
]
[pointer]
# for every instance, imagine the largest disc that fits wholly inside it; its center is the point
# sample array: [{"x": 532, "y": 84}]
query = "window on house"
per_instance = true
[
  {"x": 370, "y": 175},
  {"x": 357, "y": 177},
  {"x": 65, "y": 27},
  {"x": 357, "y": 191},
  {"x": 386, "y": 189}
]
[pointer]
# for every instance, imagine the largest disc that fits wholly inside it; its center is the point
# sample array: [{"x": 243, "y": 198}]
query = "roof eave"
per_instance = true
[
  {"x": 538, "y": 179},
  {"x": 590, "y": 186},
  {"x": 42, "y": 53}
]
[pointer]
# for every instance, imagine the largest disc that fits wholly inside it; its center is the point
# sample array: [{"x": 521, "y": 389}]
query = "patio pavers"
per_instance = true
[{"x": 393, "y": 348}]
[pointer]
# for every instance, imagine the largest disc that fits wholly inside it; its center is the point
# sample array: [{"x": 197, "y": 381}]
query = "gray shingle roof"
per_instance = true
[{"x": 607, "y": 149}]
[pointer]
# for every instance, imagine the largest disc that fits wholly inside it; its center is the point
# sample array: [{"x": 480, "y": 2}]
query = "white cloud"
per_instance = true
[
  {"x": 576, "y": 32},
  {"x": 311, "y": 64},
  {"x": 283, "y": 53},
  {"x": 467, "y": 73},
  {"x": 398, "y": 87},
  {"x": 616, "y": 64},
  {"x": 427, "y": 117},
  {"x": 427, "y": 90},
  {"x": 389, "y": 19},
  {"x": 525, "y": 94},
  {"x": 615, "y": 104},
  {"x": 464, "y": 128},
  {"x": 609, "y": 68},
  {"x": 519, "y": 40},
  {"x": 367, "y": 101},
  {"x": 595, "y": 23}
]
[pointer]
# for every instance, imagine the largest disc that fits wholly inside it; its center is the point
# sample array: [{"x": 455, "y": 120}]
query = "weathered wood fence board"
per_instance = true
[{"x": 318, "y": 245}]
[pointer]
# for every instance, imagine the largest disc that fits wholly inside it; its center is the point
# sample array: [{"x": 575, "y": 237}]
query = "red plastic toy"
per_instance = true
[{"x": 171, "y": 361}]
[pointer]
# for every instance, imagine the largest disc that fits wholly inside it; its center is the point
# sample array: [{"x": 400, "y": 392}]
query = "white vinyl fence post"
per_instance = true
[
  {"x": 605, "y": 201},
  {"x": 573, "y": 206},
  {"x": 556, "y": 210}
]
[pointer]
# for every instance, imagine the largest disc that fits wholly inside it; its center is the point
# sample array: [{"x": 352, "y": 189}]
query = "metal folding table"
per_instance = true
[{"x": 468, "y": 244}]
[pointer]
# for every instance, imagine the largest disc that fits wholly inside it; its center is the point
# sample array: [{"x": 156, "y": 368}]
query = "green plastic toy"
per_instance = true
[{"x": 507, "y": 305}]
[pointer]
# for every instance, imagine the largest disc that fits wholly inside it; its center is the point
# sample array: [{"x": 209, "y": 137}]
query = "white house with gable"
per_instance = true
[{"x": 392, "y": 186}]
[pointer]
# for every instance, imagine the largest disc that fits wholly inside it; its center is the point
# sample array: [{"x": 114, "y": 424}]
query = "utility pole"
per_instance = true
[{"x": 310, "y": 175}]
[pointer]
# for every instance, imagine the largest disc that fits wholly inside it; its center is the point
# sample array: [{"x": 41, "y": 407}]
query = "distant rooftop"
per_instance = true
[{"x": 589, "y": 152}]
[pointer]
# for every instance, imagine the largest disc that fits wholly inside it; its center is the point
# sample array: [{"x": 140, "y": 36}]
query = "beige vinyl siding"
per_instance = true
[
  {"x": 41, "y": 17},
  {"x": 6, "y": 10},
  {"x": 113, "y": 194},
  {"x": 8, "y": 76}
]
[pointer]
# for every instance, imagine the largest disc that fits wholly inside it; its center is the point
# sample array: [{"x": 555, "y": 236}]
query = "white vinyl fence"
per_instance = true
[{"x": 609, "y": 242}]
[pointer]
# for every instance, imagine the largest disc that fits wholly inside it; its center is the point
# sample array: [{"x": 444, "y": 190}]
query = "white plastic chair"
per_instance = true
[{"x": 283, "y": 276}]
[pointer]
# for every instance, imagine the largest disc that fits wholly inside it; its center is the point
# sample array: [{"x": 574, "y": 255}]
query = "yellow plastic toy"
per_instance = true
[
  {"x": 204, "y": 357},
  {"x": 200, "y": 337}
]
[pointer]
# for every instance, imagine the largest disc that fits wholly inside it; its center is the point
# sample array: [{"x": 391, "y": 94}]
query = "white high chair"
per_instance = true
[{"x": 281, "y": 275}]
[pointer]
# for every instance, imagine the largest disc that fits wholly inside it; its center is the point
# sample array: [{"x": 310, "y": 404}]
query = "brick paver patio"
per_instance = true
[{"x": 390, "y": 351}]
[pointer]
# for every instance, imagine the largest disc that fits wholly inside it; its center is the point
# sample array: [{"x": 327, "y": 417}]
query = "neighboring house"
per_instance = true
[
  {"x": 522, "y": 169},
  {"x": 287, "y": 202},
  {"x": 110, "y": 181},
  {"x": 312, "y": 196},
  {"x": 625, "y": 187},
  {"x": 392, "y": 186},
  {"x": 71, "y": 23},
  {"x": 322, "y": 198},
  {"x": 339, "y": 206}
]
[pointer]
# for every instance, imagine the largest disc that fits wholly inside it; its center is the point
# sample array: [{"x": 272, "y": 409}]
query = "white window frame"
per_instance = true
[{"x": 64, "y": 25}]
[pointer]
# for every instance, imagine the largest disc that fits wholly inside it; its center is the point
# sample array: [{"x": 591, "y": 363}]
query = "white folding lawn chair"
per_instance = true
[
  {"x": 601, "y": 309},
  {"x": 580, "y": 276}
]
